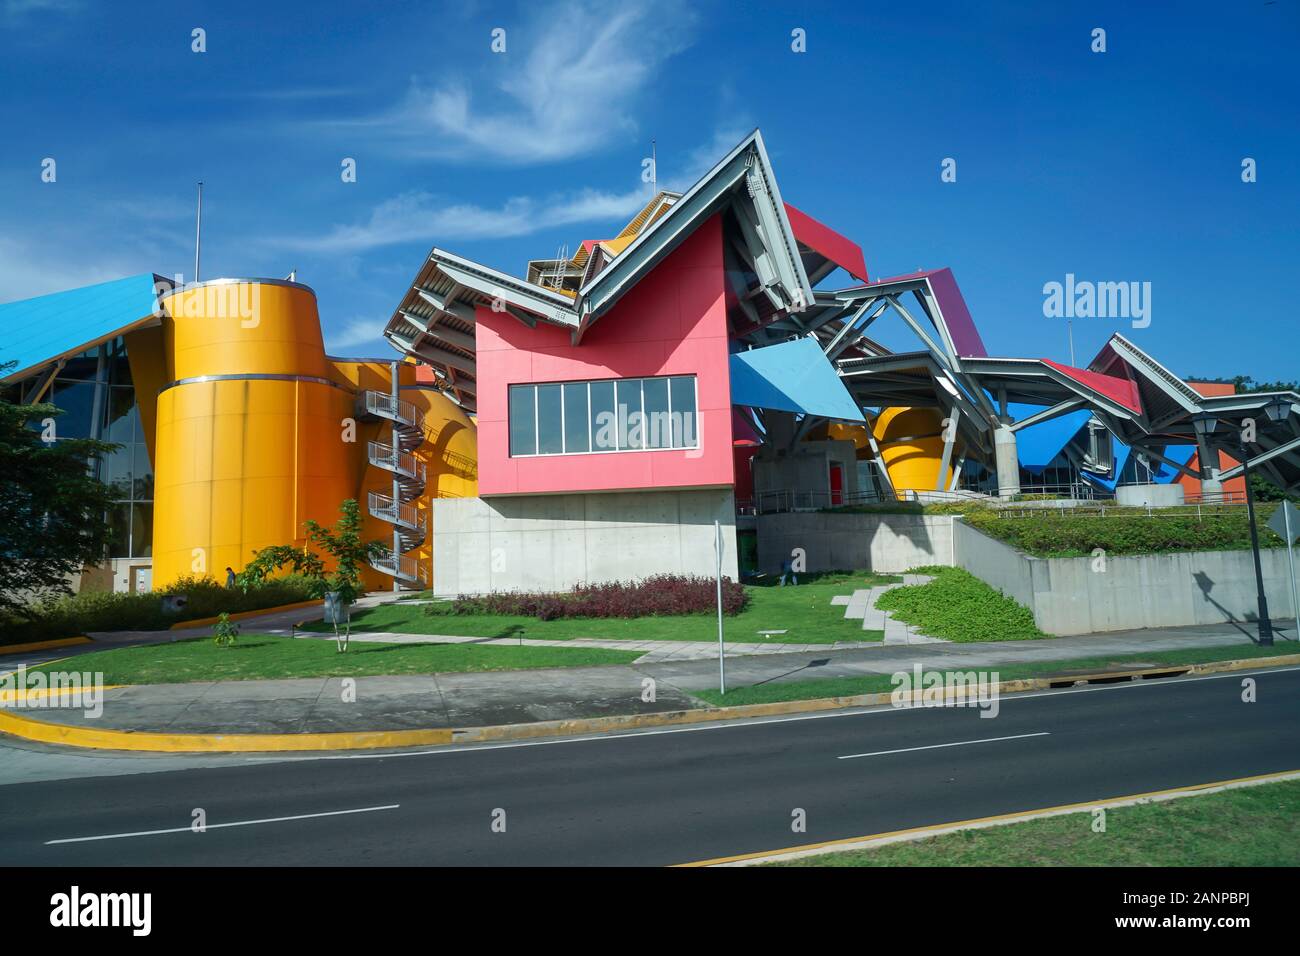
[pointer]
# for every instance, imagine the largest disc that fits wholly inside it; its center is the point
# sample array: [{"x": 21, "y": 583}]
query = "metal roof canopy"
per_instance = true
[
  {"x": 40, "y": 331},
  {"x": 791, "y": 376},
  {"x": 435, "y": 320}
]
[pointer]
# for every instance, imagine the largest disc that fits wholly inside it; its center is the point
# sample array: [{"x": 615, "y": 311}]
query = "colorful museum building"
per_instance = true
[{"x": 603, "y": 417}]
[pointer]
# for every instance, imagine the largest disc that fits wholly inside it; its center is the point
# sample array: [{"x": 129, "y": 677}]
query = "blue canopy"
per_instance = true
[
  {"x": 793, "y": 376},
  {"x": 34, "y": 332},
  {"x": 1038, "y": 444}
]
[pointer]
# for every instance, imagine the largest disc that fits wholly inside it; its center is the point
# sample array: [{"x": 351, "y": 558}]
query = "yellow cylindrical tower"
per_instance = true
[
  {"x": 252, "y": 428},
  {"x": 911, "y": 444}
]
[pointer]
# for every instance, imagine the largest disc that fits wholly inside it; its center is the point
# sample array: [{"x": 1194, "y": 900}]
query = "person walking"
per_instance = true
[
  {"x": 787, "y": 568},
  {"x": 230, "y": 577}
]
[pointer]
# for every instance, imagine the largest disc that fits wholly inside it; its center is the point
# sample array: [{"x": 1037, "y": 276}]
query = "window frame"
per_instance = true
[{"x": 591, "y": 449}]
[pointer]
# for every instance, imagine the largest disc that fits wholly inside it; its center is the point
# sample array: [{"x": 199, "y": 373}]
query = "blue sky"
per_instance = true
[{"x": 1115, "y": 166}]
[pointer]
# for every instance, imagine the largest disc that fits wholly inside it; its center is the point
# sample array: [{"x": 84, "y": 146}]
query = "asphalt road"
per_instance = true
[{"x": 668, "y": 796}]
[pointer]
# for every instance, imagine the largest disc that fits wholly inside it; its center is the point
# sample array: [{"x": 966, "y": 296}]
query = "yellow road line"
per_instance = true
[{"x": 937, "y": 829}]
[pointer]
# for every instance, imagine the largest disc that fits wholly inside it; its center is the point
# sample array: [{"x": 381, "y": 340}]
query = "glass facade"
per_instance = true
[
  {"x": 95, "y": 392},
  {"x": 626, "y": 414}
]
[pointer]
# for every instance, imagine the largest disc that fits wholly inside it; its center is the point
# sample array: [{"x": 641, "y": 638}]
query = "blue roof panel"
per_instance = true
[
  {"x": 36, "y": 331},
  {"x": 793, "y": 376}
]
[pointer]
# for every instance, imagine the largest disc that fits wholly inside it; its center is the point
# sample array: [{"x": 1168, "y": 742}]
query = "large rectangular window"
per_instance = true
[{"x": 626, "y": 414}]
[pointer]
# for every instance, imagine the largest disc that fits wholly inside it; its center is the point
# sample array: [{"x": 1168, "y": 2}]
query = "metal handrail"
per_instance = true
[
  {"x": 399, "y": 513},
  {"x": 399, "y": 566},
  {"x": 386, "y": 406},
  {"x": 392, "y": 459}
]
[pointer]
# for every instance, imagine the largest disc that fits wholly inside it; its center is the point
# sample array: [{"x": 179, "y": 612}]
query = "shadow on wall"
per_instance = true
[
  {"x": 1206, "y": 584},
  {"x": 829, "y": 541}
]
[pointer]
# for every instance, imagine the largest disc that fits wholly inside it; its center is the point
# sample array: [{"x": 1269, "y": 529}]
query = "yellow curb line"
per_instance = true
[
  {"x": 43, "y": 645},
  {"x": 78, "y": 736},
  {"x": 9, "y": 698},
  {"x": 214, "y": 743},
  {"x": 242, "y": 615},
  {"x": 980, "y": 823}
]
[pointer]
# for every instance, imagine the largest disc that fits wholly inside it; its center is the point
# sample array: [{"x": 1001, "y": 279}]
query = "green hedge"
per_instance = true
[
  {"x": 957, "y": 606},
  {"x": 106, "y": 611},
  {"x": 1056, "y": 533}
]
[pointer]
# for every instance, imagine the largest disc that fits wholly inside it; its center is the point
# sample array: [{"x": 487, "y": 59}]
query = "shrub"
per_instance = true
[
  {"x": 108, "y": 611},
  {"x": 658, "y": 595},
  {"x": 225, "y": 632},
  {"x": 958, "y": 606},
  {"x": 1056, "y": 533}
]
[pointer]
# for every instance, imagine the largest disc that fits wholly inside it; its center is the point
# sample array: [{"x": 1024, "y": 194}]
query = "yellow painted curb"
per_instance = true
[
  {"x": 96, "y": 739},
  {"x": 43, "y": 645},
  {"x": 108, "y": 739},
  {"x": 241, "y": 615},
  {"x": 11, "y": 697},
  {"x": 1018, "y": 816}
]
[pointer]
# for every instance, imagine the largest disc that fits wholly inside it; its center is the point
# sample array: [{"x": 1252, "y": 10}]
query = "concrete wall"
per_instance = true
[
  {"x": 838, "y": 540},
  {"x": 1066, "y": 595},
  {"x": 1075, "y": 596},
  {"x": 552, "y": 542}
]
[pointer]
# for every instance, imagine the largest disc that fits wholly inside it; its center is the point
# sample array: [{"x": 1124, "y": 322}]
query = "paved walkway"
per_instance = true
[
  {"x": 653, "y": 652},
  {"x": 861, "y": 604},
  {"x": 484, "y": 699}
]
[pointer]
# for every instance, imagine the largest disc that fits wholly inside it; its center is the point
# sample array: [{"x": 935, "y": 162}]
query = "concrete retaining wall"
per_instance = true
[
  {"x": 552, "y": 542},
  {"x": 839, "y": 540},
  {"x": 1076, "y": 596},
  {"x": 1066, "y": 595}
]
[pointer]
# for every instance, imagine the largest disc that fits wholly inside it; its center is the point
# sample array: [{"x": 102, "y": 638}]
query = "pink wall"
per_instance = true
[{"x": 673, "y": 322}]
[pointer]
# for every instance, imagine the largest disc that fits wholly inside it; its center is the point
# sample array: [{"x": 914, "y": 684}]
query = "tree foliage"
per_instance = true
[
  {"x": 343, "y": 543},
  {"x": 52, "y": 508}
]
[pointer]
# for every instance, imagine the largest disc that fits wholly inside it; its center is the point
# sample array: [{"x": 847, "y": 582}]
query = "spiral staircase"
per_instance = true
[{"x": 398, "y": 507}]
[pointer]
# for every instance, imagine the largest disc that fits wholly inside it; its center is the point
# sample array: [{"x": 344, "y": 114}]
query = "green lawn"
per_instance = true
[
  {"x": 265, "y": 657},
  {"x": 957, "y": 606},
  {"x": 881, "y": 684},
  {"x": 1250, "y": 826},
  {"x": 803, "y": 612}
]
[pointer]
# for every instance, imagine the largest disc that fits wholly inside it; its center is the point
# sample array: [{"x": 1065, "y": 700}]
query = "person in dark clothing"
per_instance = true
[
  {"x": 230, "y": 577},
  {"x": 787, "y": 568}
]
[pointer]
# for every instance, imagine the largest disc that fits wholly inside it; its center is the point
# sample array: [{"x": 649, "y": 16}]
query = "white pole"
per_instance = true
[
  {"x": 198, "y": 232},
  {"x": 1290, "y": 561},
  {"x": 722, "y": 651}
]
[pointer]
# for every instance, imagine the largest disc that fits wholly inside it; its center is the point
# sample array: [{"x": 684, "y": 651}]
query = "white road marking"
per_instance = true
[
  {"x": 758, "y": 721},
  {"x": 959, "y": 743},
  {"x": 218, "y": 826}
]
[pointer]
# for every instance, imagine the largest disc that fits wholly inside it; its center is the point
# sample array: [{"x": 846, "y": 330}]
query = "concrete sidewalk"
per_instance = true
[{"x": 321, "y": 705}]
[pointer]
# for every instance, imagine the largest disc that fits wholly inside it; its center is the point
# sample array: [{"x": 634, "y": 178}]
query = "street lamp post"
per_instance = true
[
  {"x": 1265, "y": 625},
  {"x": 1205, "y": 424}
]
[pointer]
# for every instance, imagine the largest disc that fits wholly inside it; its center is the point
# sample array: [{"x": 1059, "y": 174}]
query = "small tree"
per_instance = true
[
  {"x": 343, "y": 543},
  {"x": 51, "y": 505},
  {"x": 225, "y": 632}
]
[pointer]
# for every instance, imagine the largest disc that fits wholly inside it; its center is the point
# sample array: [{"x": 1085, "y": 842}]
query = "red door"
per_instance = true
[{"x": 837, "y": 484}]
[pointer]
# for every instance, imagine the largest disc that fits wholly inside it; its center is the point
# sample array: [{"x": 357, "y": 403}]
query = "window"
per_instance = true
[
  {"x": 626, "y": 414},
  {"x": 523, "y": 421}
]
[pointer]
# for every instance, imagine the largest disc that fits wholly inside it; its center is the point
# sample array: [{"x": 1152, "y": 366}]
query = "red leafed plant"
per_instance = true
[{"x": 657, "y": 595}]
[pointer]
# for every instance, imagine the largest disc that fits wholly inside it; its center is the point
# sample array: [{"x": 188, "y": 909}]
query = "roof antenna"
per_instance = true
[
  {"x": 198, "y": 231},
  {"x": 654, "y": 170}
]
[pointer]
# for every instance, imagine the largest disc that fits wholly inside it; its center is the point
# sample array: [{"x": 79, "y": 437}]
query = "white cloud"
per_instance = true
[
  {"x": 14, "y": 9},
  {"x": 356, "y": 332},
  {"x": 423, "y": 217},
  {"x": 565, "y": 91},
  {"x": 25, "y": 273}
]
